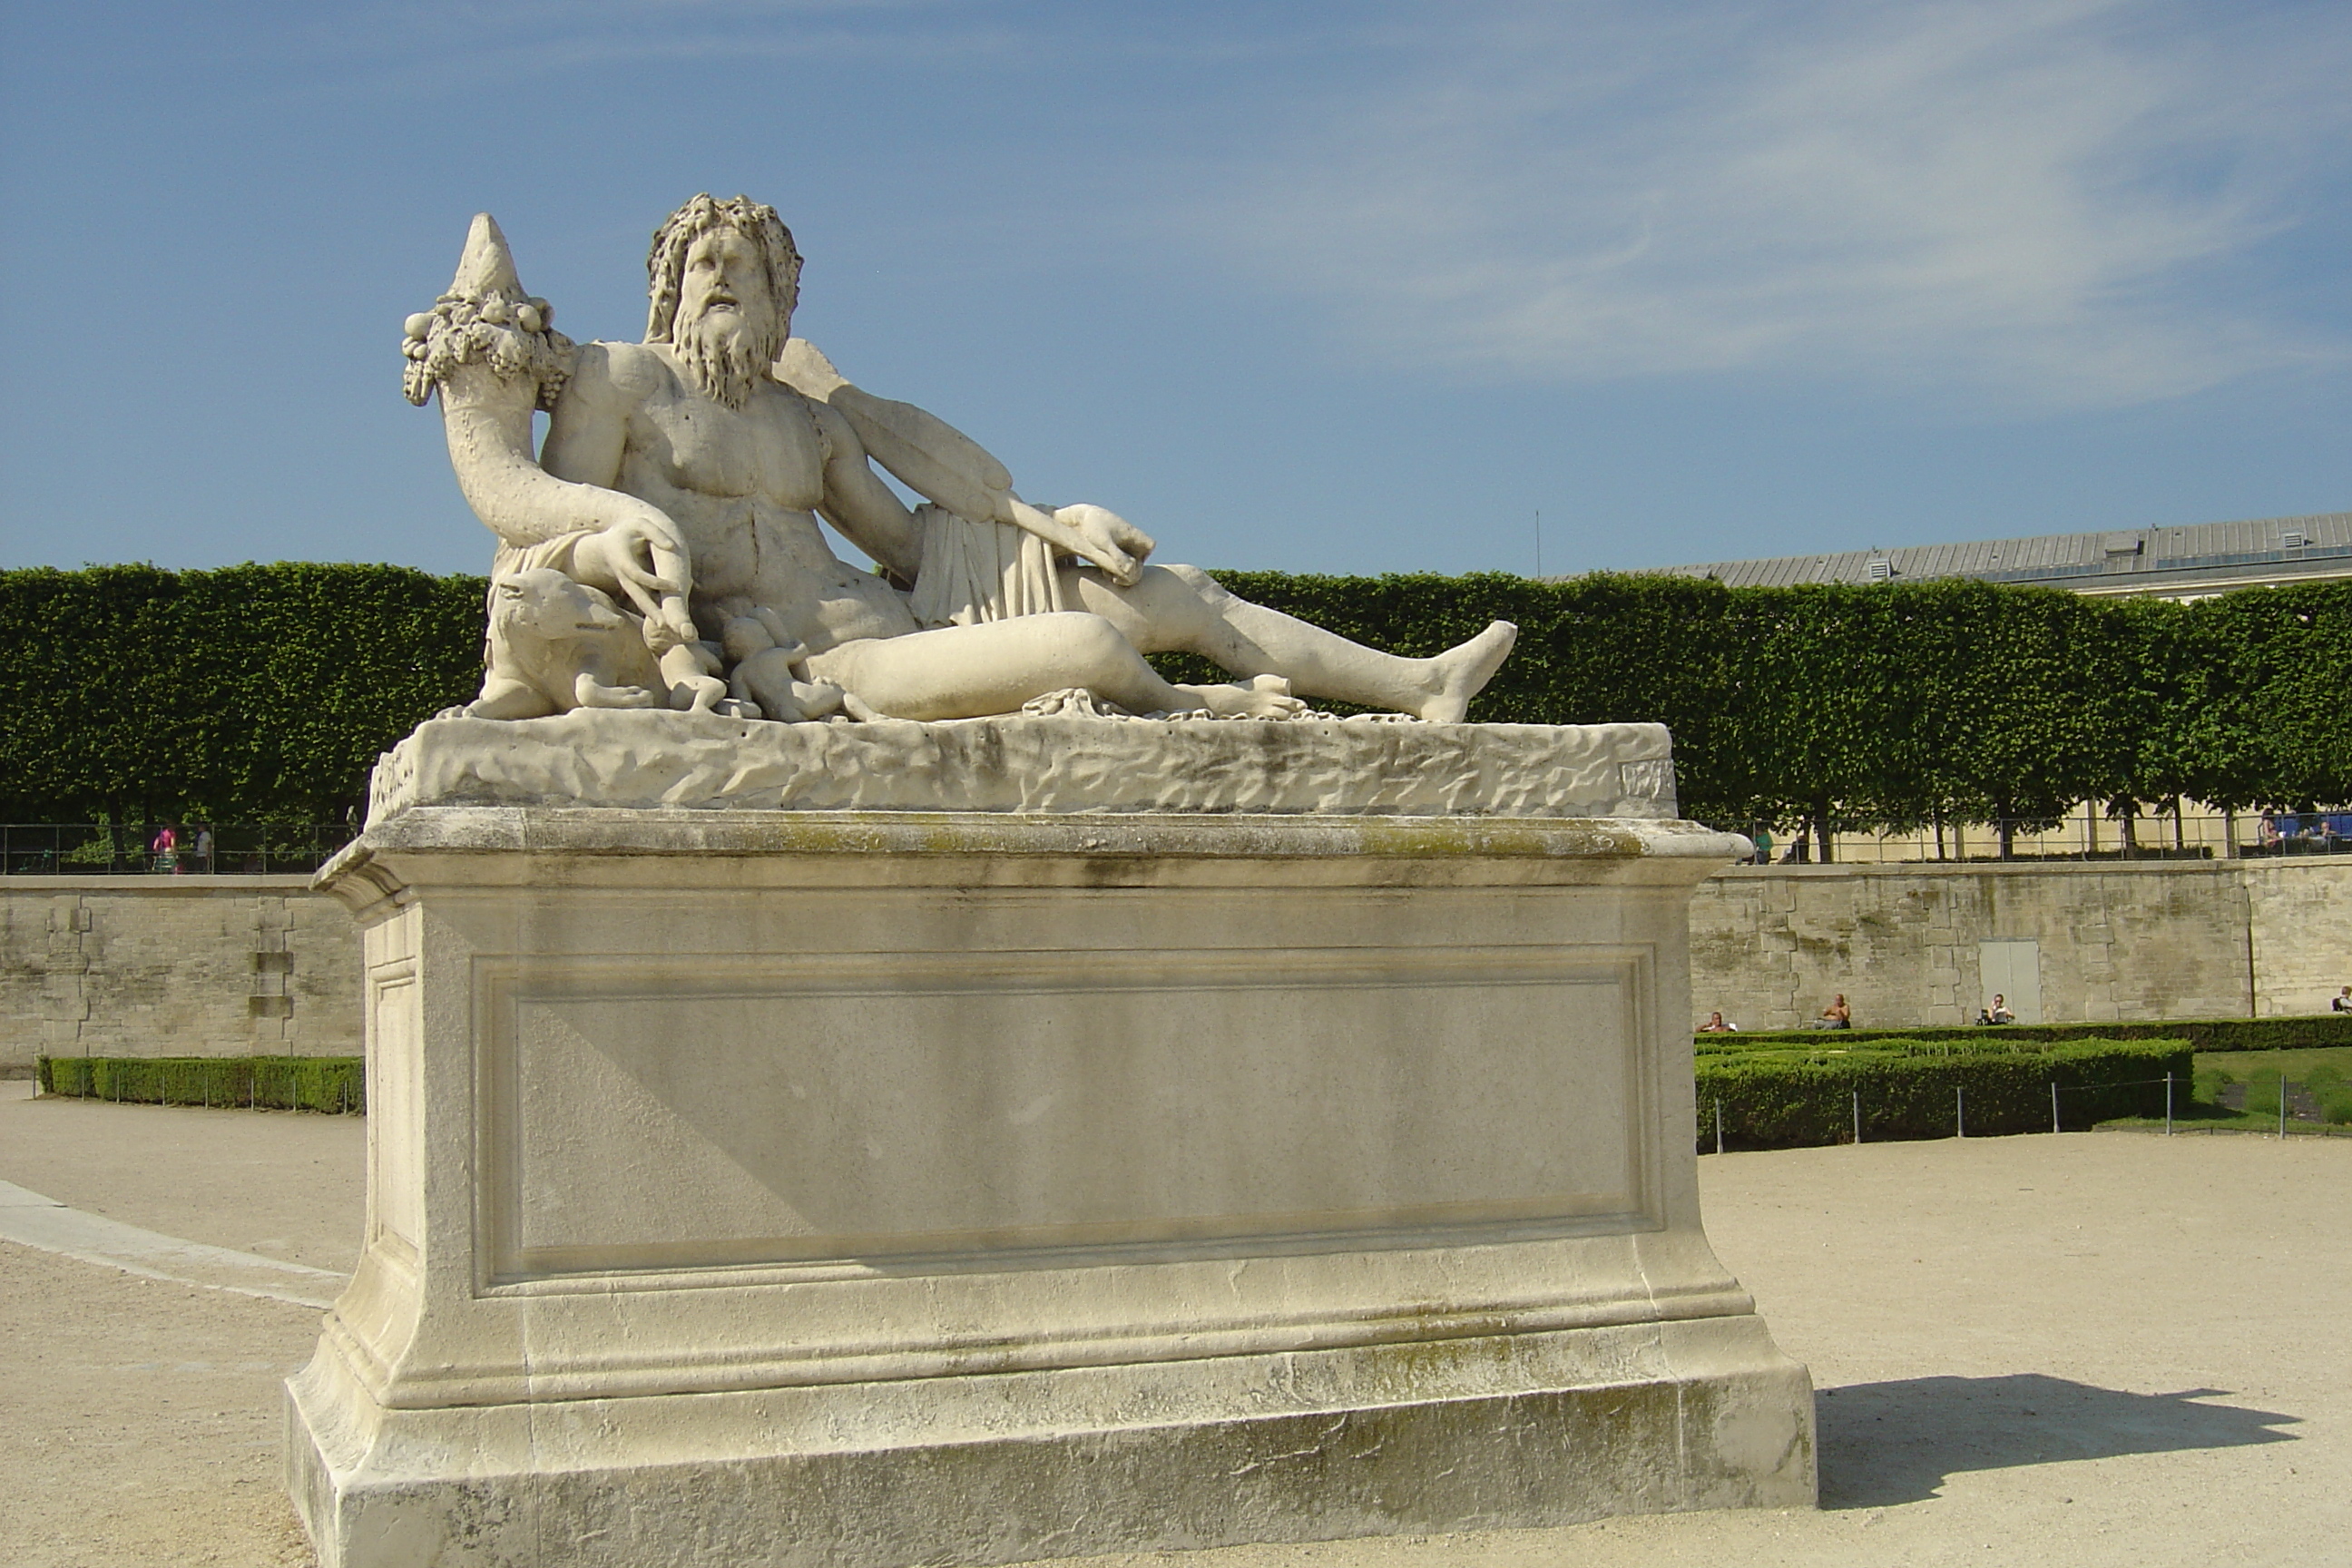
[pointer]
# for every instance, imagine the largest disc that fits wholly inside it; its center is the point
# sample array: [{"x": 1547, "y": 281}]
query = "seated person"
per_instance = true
[
  {"x": 1837, "y": 1014},
  {"x": 1715, "y": 1026},
  {"x": 1999, "y": 1012}
]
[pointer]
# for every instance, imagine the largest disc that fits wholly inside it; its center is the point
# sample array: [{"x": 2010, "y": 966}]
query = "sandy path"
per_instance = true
[
  {"x": 139, "y": 1421},
  {"x": 284, "y": 1184},
  {"x": 2099, "y": 1349}
]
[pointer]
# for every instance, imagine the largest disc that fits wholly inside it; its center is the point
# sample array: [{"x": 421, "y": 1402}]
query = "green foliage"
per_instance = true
[
  {"x": 335, "y": 1084},
  {"x": 2317, "y": 1067},
  {"x": 1790, "y": 1098},
  {"x": 265, "y": 692},
  {"x": 2317, "y": 1031},
  {"x": 253, "y": 693},
  {"x": 1891, "y": 706},
  {"x": 1599, "y": 649},
  {"x": 2263, "y": 1092}
]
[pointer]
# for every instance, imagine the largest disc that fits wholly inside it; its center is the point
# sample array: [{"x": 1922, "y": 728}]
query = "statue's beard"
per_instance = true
[{"x": 724, "y": 358}]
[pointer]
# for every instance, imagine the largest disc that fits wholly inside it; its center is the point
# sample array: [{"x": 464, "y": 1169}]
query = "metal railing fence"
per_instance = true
[
  {"x": 231, "y": 848},
  {"x": 2085, "y": 835}
]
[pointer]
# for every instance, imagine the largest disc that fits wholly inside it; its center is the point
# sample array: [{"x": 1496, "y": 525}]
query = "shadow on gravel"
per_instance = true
[{"x": 1888, "y": 1443}]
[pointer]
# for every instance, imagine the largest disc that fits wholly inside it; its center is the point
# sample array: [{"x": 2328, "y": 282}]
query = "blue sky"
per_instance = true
[{"x": 1356, "y": 287}]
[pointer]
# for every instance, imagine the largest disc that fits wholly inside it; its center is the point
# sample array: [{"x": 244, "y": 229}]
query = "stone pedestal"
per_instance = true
[{"x": 844, "y": 1188}]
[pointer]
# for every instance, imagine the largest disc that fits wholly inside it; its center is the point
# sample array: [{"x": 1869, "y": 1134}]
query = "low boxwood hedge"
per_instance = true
[
  {"x": 2202, "y": 1034},
  {"x": 1795, "y": 1098},
  {"x": 334, "y": 1084}
]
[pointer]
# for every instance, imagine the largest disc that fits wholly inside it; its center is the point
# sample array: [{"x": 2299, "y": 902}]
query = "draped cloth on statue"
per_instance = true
[{"x": 973, "y": 572}]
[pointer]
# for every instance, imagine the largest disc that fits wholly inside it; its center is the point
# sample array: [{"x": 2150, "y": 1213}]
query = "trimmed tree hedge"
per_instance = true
[
  {"x": 333, "y": 1084},
  {"x": 2299, "y": 1033},
  {"x": 1790, "y": 1098},
  {"x": 251, "y": 694},
  {"x": 259, "y": 693}
]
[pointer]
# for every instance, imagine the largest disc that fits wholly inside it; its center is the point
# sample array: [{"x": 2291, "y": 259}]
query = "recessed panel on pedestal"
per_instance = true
[{"x": 678, "y": 1112}]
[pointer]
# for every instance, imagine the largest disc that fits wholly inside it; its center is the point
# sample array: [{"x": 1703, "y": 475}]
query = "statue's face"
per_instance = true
[{"x": 724, "y": 291}]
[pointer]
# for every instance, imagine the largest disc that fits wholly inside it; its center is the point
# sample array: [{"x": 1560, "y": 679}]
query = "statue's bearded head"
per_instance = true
[{"x": 724, "y": 278}]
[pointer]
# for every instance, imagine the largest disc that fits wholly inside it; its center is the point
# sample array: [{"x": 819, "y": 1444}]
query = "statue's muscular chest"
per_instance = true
[{"x": 765, "y": 451}]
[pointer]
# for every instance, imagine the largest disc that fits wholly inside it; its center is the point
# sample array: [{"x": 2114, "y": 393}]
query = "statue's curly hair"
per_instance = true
[{"x": 755, "y": 221}]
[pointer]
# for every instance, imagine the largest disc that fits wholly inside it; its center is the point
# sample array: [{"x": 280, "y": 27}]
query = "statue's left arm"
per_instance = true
[{"x": 950, "y": 469}]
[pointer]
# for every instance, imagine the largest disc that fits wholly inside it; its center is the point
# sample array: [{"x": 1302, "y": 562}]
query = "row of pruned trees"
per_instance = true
[
  {"x": 259, "y": 693},
  {"x": 130, "y": 694},
  {"x": 1898, "y": 706}
]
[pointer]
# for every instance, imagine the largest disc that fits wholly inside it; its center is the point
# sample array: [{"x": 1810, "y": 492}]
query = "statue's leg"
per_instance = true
[
  {"x": 1183, "y": 609},
  {"x": 965, "y": 672},
  {"x": 503, "y": 696}
]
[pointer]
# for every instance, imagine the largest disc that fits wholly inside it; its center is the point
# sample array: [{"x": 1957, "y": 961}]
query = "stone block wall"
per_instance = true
[
  {"x": 1770, "y": 945},
  {"x": 246, "y": 965},
  {"x": 158, "y": 966},
  {"x": 2301, "y": 934}
]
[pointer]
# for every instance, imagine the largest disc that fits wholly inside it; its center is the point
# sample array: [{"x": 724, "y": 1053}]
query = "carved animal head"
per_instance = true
[{"x": 551, "y": 606}]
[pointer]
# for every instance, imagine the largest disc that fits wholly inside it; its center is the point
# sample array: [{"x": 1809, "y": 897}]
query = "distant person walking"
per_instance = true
[
  {"x": 165, "y": 848},
  {"x": 204, "y": 856}
]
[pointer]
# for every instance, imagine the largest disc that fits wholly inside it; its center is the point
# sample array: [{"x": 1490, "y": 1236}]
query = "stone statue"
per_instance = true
[
  {"x": 684, "y": 476},
  {"x": 555, "y": 645}
]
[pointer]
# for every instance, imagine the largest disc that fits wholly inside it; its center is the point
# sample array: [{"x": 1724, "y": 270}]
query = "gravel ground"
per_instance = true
[{"x": 2096, "y": 1349}]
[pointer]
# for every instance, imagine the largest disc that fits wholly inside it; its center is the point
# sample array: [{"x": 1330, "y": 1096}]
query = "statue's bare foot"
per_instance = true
[
  {"x": 1462, "y": 672},
  {"x": 1260, "y": 697}
]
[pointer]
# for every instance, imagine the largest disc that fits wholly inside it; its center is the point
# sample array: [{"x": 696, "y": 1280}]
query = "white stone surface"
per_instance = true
[
  {"x": 683, "y": 477},
  {"x": 615, "y": 758},
  {"x": 879, "y": 1188}
]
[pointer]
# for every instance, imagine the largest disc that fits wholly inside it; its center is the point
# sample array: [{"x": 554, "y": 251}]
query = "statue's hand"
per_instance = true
[
  {"x": 1111, "y": 543},
  {"x": 643, "y": 555}
]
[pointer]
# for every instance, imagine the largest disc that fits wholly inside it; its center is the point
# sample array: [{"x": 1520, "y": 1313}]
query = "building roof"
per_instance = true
[{"x": 2186, "y": 562}]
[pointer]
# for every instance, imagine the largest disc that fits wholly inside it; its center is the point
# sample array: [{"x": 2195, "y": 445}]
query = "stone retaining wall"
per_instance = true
[
  {"x": 158, "y": 966},
  {"x": 247, "y": 965},
  {"x": 2139, "y": 940}
]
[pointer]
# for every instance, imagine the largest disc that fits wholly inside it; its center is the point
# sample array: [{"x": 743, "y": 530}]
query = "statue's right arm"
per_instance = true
[{"x": 589, "y": 431}]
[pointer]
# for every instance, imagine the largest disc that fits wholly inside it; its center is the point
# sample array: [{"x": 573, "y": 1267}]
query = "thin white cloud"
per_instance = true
[{"x": 2044, "y": 201}]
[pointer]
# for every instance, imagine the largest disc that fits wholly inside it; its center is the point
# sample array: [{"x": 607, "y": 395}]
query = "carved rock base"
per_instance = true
[{"x": 806, "y": 1188}]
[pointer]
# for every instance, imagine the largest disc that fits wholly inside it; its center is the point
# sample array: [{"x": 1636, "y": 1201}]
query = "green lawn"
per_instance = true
[{"x": 2324, "y": 1073}]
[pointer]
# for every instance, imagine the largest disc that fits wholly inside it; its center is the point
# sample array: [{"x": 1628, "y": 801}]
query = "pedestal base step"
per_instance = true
[{"x": 1503, "y": 1432}]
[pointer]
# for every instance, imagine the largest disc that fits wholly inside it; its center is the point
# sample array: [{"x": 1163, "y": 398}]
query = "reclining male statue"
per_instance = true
[{"x": 685, "y": 475}]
